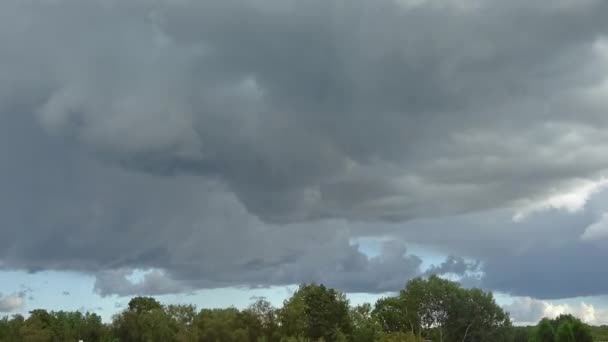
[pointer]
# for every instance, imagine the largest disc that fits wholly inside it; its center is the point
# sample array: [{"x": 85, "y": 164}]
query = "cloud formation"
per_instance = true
[
  {"x": 12, "y": 302},
  {"x": 526, "y": 310},
  {"x": 224, "y": 143}
]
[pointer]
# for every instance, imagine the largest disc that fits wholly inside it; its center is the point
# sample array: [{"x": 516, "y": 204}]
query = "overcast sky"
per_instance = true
[{"x": 178, "y": 147}]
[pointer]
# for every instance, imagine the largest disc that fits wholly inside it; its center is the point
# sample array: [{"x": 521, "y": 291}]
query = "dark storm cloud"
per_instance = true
[
  {"x": 222, "y": 143},
  {"x": 556, "y": 259},
  {"x": 547, "y": 255},
  {"x": 316, "y": 100},
  {"x": 542, "y": 273}
]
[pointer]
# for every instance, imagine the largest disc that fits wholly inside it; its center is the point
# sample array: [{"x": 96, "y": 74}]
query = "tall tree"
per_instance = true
[
  {"x": 442, "y": 308},
  {"x": 392, "y": 315},
  {"x": 10, "y": 328},
  {"x": 183, "y": 322},
  {"x": 37, "y": 327},
  {"x": 579, "y": 331},
  {"x": 267, "y": 316},
  {"x": 475, "y": 316},
  {"x": 144, "y": 321},
  {"x": 544, "y": 331},
  {"x": 316, "y": 312},
  {"x": 143, "y": 304},
  {"x": 430, "y": 300},
  {"x": 564, "y": 333},
  {"x": 365, "y": 326},
  {"x": 521, "y": 334}
]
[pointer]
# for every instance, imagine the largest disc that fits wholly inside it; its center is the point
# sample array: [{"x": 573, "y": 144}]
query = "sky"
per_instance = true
[{"x": 212, "y": 151}]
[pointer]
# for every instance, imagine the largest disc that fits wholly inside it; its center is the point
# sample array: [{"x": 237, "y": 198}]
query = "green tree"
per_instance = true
[
  {"x": 183, "y": 322},
  {"x": 441, "y": 309},
  {"x": 392, "y": 315},
  {"x": 430, "y": 300},
  {"x": 67, "y": 326},
  {"x": 316, "y": 312},
  {"x": 520, "y": 334},
  {"x": 475, "y": 316},
  {"x": 10, "y": 329},
  {"x": 365, "y": 327},
  {"x": 143, "y": 321},
  {"x": 544, "y": 331},
  {"x": 267, "y": 316},
  {"x": 37, "y": 327},
  {"x": 581, "y": 331},
  {"x": 228, "y": 325},
  {"x": 92, "y": 329},
  {"x": 567, "y": 326},
  {"x": 564, "y": 333},
  {"x": 143, "y": 304}
]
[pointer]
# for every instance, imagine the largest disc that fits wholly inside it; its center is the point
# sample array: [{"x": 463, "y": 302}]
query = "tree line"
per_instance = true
[{"x": 426, "y": 309}]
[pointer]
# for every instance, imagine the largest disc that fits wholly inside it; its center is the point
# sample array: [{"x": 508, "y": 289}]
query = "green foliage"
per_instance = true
[
  {"x": 144, "y": 304},
  {"x": 521, "y": 334},
  {"x": 599, "y": 333},
  {"x": 182, "y": 321},
  {"x": 222, "y": 325},
  {"x": 565, "y": 333},
  {"x": 53, "y": 326},
  {"x": 545, "y": 331},
  {"x": 563, "y": 328},
  {"x": 476, "y": 317},
  {"x": 142, "y": 324},
  {"x": 398, "y": 337},
  {"x": 442, "y": 310},
  {"x": 267, "y": 316},
  {"x": 581, "y": 331},
  {"x": 392, "y": 315},
  {"x": 10, "y": 329},
  {"x": 426, "y": 309},
  {"x": 366, "y": 327},
  {"x": 316, "y": 312}
]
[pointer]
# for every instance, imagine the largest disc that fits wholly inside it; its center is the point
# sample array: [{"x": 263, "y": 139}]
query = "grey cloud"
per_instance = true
[
  {"x": 334, "y": 262},
  {"x": 315, "y": 100},
  {"x": 542, "y": 256},
  {"x": 526, "y": 310},
  {"x": 552, "y": 257},
  {"x": 542, "y": 272},
  {"x": 153, "y": 283},
  {"x": 225, "y": 143},
  {"x": 12, "y": 302},
  {"x": 355, "y": 272},
  {"x": 454, "y": 265}
]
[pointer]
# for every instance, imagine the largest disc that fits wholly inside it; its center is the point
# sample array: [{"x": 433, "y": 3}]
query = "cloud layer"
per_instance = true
[{"x": 224, "y": 143}]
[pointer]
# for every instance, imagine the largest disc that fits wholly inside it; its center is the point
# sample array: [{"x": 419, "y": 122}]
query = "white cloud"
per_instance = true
[
  {"x": 12, "y": 302},
  {"x": 526, "y": 310},
  {"x": 572, "y": 199}
]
